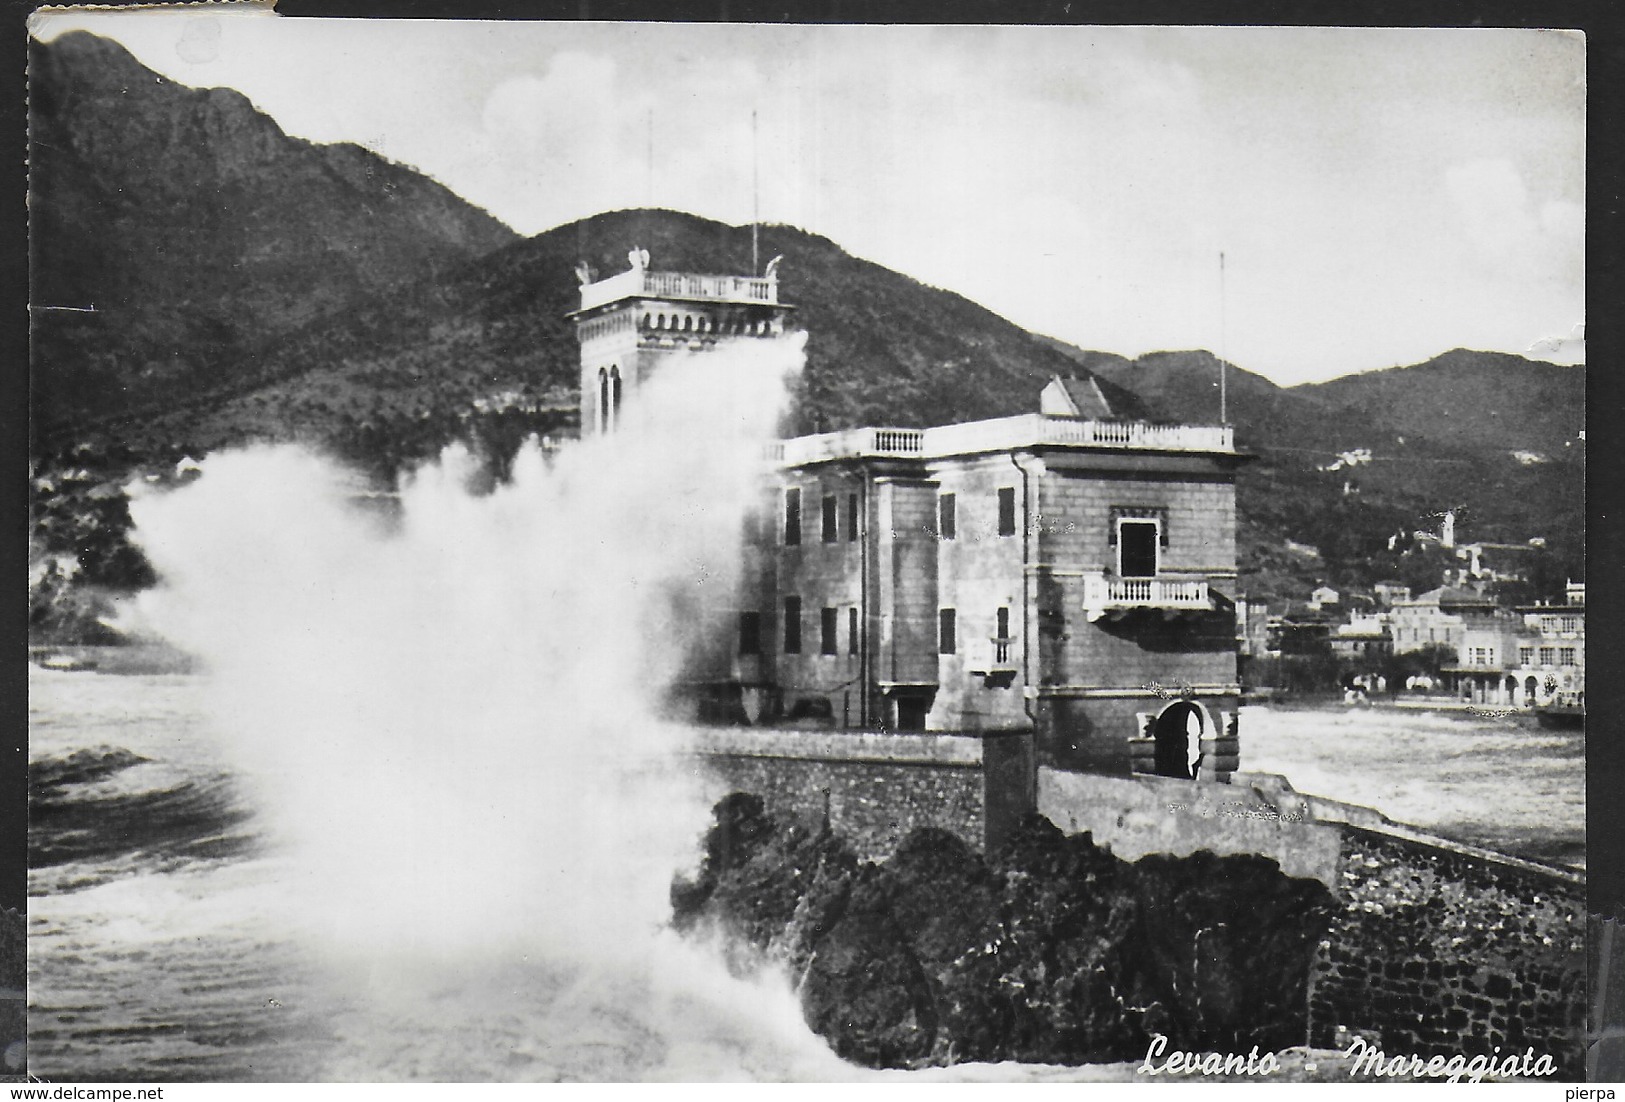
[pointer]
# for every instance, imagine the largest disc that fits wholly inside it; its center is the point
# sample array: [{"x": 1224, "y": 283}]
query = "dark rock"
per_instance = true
[
  {"x": 1052, "y": 951},
  {"x": 1230, "y": 940},
  {"x": 864, "y": 990}
]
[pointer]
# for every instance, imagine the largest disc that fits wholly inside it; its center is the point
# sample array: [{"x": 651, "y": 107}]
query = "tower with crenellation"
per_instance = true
[{"x": 631, "y": 322}]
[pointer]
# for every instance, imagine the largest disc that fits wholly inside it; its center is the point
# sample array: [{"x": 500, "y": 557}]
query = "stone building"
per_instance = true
[
  {"x": 1365, "y": 637},
  {"x": 1550, "y": 669},
  {"x": 1066, "y": 571},
  {"x": 1435, "y": 618},
  {"x": 630, "y": 323},
  {"x": 1388, "y": 592},
  {"x": 1488, "y": 650}
]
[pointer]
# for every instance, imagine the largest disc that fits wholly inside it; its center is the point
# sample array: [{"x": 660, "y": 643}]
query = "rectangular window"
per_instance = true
[
  {"x": 792, "y": 516},
  {"x": 827, "y": 622},
  {"x": 947, "y": 521},
  {"x": 851, "y": 518},
  {"x": 1526, "y": 656},
  {"x": 1548, "y": 655},
  {"x": 792, "y": 625},
  {"x": 750, "y": 633},
  {"x": 947, "y": 643},
  {"x": 1007, "y": 511},
  {"x": 1565, "y": 656},
  {"x": 830, "y": 534},
  {"x": 1001, "y": 641},
  {"x": 1570, "y": 623},
  {"x": 851, "y": 631},
  {"x": 1150, "y": 513},
  {"x": 1137, "y": 548}
]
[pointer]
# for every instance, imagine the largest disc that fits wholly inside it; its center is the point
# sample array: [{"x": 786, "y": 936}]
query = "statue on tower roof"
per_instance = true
[{"x": 638, "y": 258}]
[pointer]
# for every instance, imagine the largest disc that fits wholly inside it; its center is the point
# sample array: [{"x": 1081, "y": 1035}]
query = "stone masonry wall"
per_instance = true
[
  {"x": 906, "y": 560},
  {"x": 876, "y": 788},
  {"x": 979, "y": 572},
  {"x": 1198, "y": 509},
  {"x": 1134, "y": 817},
  {"x": 823, "y": 575},
  {"x": 1439, "y": 952},
  {"x": 1093, "y": 677},
  {"x": 1434, "y": 949}
]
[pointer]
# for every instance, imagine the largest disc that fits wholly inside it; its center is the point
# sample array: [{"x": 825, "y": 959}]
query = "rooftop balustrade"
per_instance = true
[
  {"x": 679, "y": 285},
  {"x": 999, "y": 434}
]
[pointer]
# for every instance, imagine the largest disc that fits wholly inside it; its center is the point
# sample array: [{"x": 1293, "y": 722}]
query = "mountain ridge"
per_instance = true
[
  {"x": 383, "y": 317},
  {"x": 184, "y": 229}
]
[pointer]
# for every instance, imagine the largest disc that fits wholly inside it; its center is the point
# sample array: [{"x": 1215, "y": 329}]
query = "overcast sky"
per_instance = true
[{"x": 1380, "y": 196}]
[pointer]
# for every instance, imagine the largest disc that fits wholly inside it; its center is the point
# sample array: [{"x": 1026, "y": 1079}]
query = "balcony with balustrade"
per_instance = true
[
  {"x": 994, "y": 659},
  {"x": 1103, "y": 594}
]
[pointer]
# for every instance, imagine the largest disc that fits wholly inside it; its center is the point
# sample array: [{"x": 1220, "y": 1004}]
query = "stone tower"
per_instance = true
[{"x": 630, "y": 322}]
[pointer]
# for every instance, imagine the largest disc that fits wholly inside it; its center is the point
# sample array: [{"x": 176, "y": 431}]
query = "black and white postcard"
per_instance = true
[{"x": 585, "y": 551}]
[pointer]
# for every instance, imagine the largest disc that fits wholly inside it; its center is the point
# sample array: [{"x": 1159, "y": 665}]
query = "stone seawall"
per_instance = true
[
  {"x": 1134, "y": 817},
  {"x": 1429, "y": 947},
  {"x": 1436, "y": 950},
  {"x": 875, "y": 788}
]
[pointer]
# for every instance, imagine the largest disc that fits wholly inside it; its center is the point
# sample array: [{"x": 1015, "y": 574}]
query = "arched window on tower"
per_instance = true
[
  {"x": 603, "y": 400},
  {"x": 614, "y": 397}
]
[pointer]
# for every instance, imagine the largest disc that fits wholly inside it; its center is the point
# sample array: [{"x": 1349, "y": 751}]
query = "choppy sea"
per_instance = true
[{"x": 167, "y": 944}]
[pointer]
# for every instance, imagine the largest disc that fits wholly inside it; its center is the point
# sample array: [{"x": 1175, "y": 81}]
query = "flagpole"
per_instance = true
[
  {"x": 755, "y": 197},
  {"x": 1223, "y": 352}
]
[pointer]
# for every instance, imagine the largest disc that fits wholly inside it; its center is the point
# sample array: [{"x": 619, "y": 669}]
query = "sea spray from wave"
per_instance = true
[{"x": 447, "y": 724}]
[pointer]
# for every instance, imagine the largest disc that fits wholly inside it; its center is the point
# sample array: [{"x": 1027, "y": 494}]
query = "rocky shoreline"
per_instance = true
[{"x": 1050, "y": 950}]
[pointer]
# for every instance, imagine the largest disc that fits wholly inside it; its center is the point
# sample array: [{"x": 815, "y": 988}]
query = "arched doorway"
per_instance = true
[
  {"x": 1529, "y": 688},
  {"x": 1178, "y": 732}
]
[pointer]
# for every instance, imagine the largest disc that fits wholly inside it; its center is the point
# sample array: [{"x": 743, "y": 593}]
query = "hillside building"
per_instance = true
[
  {"x": 1300, "y": 629},
  {"x": 1065, "y": 571},
  {"x": 1364, "y": 638},
  {"x": 1252, "y": 626},
  {"x": 1488, "y": 652},
  {"x": 1387, "y": 592},
  {"x": 1551, "y": 658},
  {"x": 1325, "y": 597},
  {"x": 1435, "y": 618}
]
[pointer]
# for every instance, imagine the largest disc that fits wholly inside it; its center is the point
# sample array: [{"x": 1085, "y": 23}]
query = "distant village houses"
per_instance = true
[{"x": 1527, "y": 656}]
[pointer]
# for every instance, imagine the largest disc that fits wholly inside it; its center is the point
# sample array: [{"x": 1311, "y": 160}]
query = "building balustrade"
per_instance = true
[
  {"x": 1002, "y": 434},
  {"x": 992, "y": 656},
  {"x": 1102, "y": 593},
  {"x": 679, "y": 285}
]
